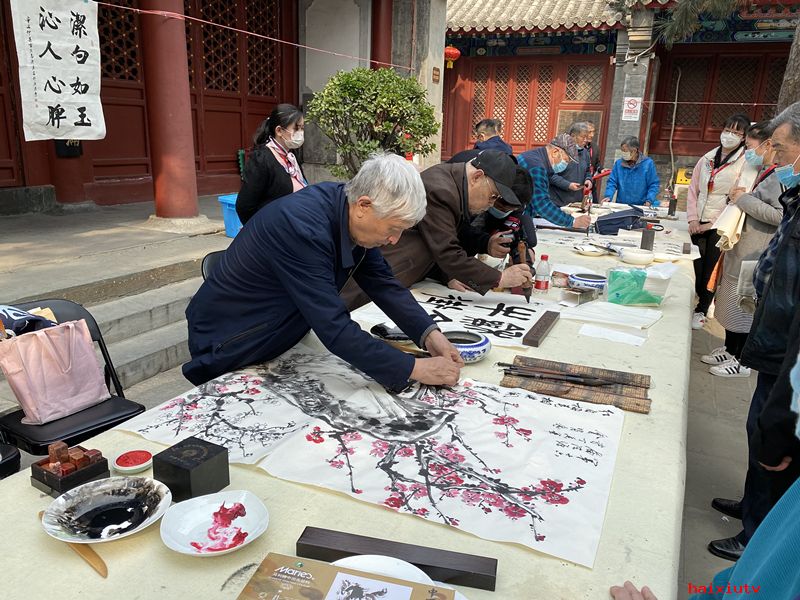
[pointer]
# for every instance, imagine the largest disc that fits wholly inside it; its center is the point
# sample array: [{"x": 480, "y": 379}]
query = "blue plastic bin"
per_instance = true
[{"x": 232, "y": 222}]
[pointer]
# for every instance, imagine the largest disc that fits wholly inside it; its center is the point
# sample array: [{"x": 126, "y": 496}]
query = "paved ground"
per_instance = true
[
  {"x": 39, "y": 253},
  {"x": 716, "y": 458}
]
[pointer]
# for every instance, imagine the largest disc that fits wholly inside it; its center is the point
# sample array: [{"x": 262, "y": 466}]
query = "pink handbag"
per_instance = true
[{"x": 53, "y": 372}]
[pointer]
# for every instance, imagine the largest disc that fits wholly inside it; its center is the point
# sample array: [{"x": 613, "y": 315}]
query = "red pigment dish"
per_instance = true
[
  {"x": 223, "y": 535},
  {"x": 133, "y": 459}
]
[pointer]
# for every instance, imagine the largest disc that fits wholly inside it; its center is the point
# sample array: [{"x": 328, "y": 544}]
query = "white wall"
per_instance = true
[{"x": 337, "y": 25}]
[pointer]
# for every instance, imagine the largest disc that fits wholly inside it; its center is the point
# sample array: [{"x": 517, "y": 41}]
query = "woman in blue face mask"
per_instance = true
[{"x": 763, "y": 213}]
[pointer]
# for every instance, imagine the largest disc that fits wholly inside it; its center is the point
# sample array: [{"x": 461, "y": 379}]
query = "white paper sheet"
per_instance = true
[
  {"x": 503, "y": 464},
  {"x": 614, "y": 335},
  {"x": 503, "y": 318},
  {"x": 613, "y": 314}
]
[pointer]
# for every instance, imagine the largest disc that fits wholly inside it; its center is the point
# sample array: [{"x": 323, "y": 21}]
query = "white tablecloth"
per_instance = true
[{"x": 641, "y": 536}]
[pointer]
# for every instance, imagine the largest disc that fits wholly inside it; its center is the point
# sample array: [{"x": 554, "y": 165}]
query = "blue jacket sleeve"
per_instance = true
[
  {"x": 613, "y": 179},
  {"x": 375, "y": 278},
  {"x": 652, "y": 183},
  {"x": 305, "y": 265}
]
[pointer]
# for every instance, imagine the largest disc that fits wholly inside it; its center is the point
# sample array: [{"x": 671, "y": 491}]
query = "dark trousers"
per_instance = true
[
  {"x": 755, "y": 502},
  {"x": 704, "y": 266},
  {"x": 734, "y": 343}
]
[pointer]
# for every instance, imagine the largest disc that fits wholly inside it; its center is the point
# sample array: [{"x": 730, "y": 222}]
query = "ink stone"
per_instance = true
[{"x": 192, "y": 467}]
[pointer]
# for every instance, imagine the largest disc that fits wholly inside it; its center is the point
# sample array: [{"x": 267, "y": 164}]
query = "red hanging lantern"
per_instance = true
[{"x": 451, "y": 54}]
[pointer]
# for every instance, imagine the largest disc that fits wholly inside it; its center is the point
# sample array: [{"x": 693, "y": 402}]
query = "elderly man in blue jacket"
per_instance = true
[{"x": 282, "y": 274}]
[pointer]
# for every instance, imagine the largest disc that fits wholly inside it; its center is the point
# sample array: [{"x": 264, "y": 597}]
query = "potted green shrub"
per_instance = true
[{"x": 365, "y": 111}]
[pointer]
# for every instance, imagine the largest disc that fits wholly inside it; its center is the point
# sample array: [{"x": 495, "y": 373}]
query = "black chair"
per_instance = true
[
  {"x": 9, "y": 460},
  {"x": 210, "y": 261},
  {"x": 82, "y": 425}
]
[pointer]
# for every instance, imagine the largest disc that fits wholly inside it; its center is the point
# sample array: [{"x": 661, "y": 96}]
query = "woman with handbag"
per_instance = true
[
  {"x": 715, "y": 174},
  {"x": 272, "y": 170}
]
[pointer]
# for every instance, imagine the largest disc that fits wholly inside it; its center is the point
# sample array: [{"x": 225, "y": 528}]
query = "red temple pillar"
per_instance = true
[
  {"x": 169, "y": 116},
  {"x": 381, "y": 33}
]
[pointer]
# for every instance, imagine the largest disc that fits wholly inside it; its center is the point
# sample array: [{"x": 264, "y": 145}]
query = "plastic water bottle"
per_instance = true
[{"x": 541, "y": 282}]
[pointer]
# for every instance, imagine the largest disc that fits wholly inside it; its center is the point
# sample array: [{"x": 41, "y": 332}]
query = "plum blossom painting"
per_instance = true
[{"x": 501, "y": 463}]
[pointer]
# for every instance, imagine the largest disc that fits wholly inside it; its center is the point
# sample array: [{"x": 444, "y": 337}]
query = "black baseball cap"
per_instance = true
[{"x": 499, "y": 167}]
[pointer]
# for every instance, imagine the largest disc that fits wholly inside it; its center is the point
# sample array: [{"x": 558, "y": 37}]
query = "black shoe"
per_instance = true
[
  {"x": 729, "y": 548},
  {"x": 732, "y": 508}
]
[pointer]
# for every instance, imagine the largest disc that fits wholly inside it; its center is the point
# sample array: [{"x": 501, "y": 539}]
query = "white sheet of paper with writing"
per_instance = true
[
  {"x": 58, "y": 50},
  {"x": 503, "y": 464},
  {"x": 503, "y": 318}
]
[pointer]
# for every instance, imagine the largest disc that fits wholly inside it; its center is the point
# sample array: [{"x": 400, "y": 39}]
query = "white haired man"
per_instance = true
[{"x": 282, "y": 274}]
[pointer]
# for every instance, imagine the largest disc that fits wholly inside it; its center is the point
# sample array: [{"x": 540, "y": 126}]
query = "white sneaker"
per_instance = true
[
  {"x": 717, "y": 356},
  {"x": 698, "y": 320},
  {"x": 730, "y": 369}
]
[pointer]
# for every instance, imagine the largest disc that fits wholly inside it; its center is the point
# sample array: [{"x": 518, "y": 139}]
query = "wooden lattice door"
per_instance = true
[
  {"x": 534, "y": 98},
  {"x": 237, "y": 79}
]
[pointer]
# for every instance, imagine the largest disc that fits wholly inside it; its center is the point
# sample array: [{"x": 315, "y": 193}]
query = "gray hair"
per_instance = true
[
  {"x": 631, "y": 141},
  {"x": 790, "y": 115},
  {"x": 394, "y": 186},
  {"x": 578, "y": 128}
]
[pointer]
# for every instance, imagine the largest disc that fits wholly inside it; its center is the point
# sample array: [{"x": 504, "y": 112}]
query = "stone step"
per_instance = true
[
  {"x": 150, "y": 353},
  {"x": 128, "y": 317}
]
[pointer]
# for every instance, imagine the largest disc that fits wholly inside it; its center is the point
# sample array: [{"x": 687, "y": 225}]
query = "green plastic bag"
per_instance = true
[{"x": 626, "y": 286}]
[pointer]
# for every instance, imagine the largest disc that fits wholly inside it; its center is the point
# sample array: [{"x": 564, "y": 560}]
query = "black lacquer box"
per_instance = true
[{"x": 192, "y": 467}]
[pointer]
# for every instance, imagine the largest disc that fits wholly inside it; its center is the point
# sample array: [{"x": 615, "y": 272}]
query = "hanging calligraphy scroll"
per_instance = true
[
  {"x": 58, "y": 50},
  {"x": 503, "y": 318}
]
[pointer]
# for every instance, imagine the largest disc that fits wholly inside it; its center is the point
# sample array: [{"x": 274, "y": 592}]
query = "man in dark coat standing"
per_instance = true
[
  {"x": 487, "y": 137},
  {"x": 569, "y": 186},
  {"x": 595, "y": 164},
  {"x": 281, "y": 277}
]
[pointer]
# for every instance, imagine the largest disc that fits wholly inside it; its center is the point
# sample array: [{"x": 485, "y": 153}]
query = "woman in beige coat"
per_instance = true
[{"x": 763, "y": 213}]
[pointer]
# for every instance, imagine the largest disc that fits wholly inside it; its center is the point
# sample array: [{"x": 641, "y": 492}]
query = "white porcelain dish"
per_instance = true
[
  {"x": 390, "y": 567},
  {"x": 189, "y": 527},
  {"x": 106, "y": 509},
  {"x": 589, "y": 250},
  {"x": 636, "y": 256}
]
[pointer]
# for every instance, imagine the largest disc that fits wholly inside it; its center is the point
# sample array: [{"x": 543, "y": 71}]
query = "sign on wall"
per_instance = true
[
  {"x": 631, "y": 108},
  {"x": 58, "y": 50}
]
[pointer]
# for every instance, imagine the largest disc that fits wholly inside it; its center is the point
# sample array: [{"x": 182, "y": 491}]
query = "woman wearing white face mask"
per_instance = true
[
  {"x": 272, "y": 170},
  {"x": 763, "y": 213},
  {"x": 715, "y": 174}
]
